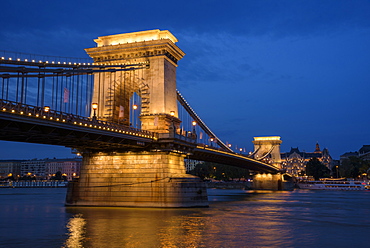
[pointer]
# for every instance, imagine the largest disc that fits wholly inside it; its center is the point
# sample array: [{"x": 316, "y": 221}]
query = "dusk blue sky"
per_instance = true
[{"x": 297, "y": 69}]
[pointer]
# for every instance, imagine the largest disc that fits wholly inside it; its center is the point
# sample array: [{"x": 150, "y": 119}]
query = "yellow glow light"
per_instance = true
[{"x": 267, "y": 138}]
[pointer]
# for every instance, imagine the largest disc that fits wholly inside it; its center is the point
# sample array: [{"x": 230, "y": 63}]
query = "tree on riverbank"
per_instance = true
[
  {"x": 354, "y": 167},
  {"x": 219, "y": 171},
  {"x": 316, "y": 169}
]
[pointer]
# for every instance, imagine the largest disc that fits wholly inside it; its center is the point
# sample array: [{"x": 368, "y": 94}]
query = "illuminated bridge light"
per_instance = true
[
  {"x": 29, "y": 114},
  {"x": 100, "y": 127},
  {"x": 74, "y": 122},
  {"x": 33, "y": 61},
  {"x": 51, "y": 117},
  {"x": 80, "y": 123},
  {"x": 25, "y": 60},
  {"x": 10, "y": 59},
  {"x": 21, "y": 112},
  {"x": 64, "y": 120},
  {"x": 57, "y": 119},
  {"x": 44, "y": 117},
  {"x": 18, "y": 59},
  {"x": 13, "y": 110},
  {"x": 2, "y": 58},
  {"x": 37, "y": 115}
]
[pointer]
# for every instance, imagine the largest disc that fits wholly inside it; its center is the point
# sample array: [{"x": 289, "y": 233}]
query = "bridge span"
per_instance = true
[{"x": 122, "y": 113}]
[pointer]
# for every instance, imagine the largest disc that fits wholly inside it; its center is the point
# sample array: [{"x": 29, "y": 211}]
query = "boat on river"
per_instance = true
[
  {"x": 34, "y": 184},
  {"x": 329, "y": 184}
]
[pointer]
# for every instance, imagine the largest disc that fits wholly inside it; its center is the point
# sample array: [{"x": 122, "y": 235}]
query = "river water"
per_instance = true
[{"x": 235, "y": 218}]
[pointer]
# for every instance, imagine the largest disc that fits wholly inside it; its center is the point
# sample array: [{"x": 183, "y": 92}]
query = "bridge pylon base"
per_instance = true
[
  {"x": 272, "y": 182},
  {"x": 136, "y": 179}
]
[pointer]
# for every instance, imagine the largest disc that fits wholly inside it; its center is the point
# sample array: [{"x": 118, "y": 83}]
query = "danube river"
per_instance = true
[{"x": 235, "y": 218}]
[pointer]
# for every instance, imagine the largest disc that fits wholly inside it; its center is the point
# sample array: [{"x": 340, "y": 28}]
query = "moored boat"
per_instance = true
[
  {"x": 34, "y": 184},
  {"x": 334, "y": 185}
]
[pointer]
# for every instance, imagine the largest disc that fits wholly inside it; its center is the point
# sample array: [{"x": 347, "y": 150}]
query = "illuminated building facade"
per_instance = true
[
  {"x": 34, "y": 168},
  {"x": 363, "y": 153},
  {"x": 69, "y": 167},
  {"x": 10, "y": 168},
  {"x": 294, "y": 162},
  {"x": 40, "y": 168}
]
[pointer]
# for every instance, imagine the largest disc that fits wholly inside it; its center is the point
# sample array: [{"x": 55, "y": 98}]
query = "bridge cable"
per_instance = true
[{"x": 192, "y": 113}]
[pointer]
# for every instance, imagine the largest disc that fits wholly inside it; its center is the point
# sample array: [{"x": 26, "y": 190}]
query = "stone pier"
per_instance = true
[
  {"x": 136, "y": 179},
  {"x": 272, "y": 182}
]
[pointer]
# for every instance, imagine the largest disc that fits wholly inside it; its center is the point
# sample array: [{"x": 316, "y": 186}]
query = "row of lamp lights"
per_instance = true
[
  {"x": 172, "y": 113},
  {"x": 94, "y": 107}
]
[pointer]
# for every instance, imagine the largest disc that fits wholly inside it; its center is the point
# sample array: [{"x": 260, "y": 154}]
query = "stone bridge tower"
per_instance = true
[
  {"x": 156, "y": 86},
  {"x": 268, "y": 147},
  {"x": 140, "y": 177}
]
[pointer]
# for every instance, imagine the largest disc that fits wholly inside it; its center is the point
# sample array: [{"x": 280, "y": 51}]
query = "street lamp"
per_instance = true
[
  {"x": 94, "y": 107},
  {"x": 194, "y": 123},
  {"x": 172, "y": 113},
  {"x": 46, "y": 109},
  {"x": 134, "y": 106}
]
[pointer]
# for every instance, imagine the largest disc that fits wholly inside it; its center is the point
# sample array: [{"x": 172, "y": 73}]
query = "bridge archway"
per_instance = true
[{"x": 157, "y": 83}]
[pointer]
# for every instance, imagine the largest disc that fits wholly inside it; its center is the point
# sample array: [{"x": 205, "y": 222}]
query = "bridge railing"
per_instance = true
[
  {"x": 53, "y": 115},
  {"x": 186, "y": 136},
  {"x": 39, "y": 57}
]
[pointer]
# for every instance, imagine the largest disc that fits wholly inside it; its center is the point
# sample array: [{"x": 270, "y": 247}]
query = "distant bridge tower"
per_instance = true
[
  {"x": 156, "y": 86},
  {"x": 268, "y": 147}
]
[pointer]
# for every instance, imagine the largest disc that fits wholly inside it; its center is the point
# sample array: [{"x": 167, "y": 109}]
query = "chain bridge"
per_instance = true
[{"x": 123, "y": 113}]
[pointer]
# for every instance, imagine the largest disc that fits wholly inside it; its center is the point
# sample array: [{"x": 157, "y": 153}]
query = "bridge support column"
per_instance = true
[
  {"x": 136, "y": 179},
  {"x": 272, "y": 182}
]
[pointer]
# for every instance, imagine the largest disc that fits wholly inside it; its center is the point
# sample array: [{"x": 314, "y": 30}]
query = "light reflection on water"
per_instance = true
[
  {"x": 76, "y": 231},
  {"x": 235, "y": 218}
]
